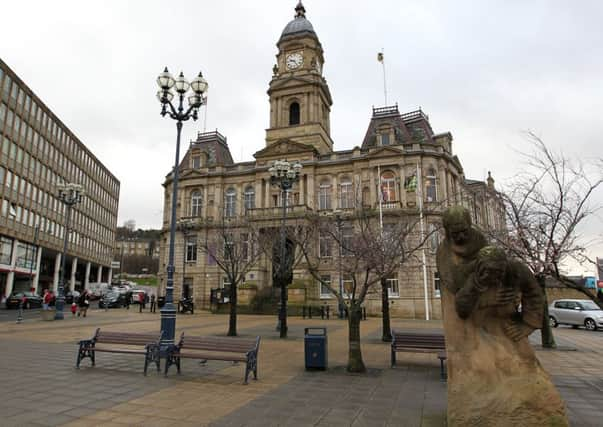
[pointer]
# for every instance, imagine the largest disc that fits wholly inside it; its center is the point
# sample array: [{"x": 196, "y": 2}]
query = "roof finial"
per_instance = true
[{"x": 300, "y": 10}]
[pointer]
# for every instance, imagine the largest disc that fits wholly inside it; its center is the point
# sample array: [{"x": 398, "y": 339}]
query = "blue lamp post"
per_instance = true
[{"x": 167, "y": 83}]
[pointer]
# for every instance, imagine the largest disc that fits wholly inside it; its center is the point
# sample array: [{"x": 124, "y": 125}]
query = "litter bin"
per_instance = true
[
  {"x": 160, "y": 301},
  {"x": 315, "y": 345}
]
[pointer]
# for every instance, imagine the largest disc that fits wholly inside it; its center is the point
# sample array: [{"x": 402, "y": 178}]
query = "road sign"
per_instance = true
[{"x": 115, "y": 264}]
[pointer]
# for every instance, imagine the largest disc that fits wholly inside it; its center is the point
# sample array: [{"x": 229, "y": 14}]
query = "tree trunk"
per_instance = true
[
  {"x": 546, "y": 333},
  {"x": 387, "y": 331},
  {"x": 355, "y": 363},
  {"x": 283, "y": 311},
  {"x": 232, "y": 322}
]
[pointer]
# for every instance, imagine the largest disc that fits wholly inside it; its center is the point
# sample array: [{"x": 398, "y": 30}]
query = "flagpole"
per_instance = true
[
  {"x": 381, "y": 59},
  {"x": 424, "y": 261},
  {"x": 380, "y": 195}
]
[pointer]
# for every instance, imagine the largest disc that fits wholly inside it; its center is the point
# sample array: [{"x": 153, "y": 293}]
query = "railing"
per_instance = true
[
  {"x": 418, "y": 114},
  {"x": 277, "y": 211},
  {"x": 386, "y": 111}
]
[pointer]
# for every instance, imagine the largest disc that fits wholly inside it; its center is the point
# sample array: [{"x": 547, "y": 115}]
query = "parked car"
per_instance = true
[
  {"x": 576, "y": 312},
  {"x": 33, "y": 300},
  {"x": 112, "y": 299}
]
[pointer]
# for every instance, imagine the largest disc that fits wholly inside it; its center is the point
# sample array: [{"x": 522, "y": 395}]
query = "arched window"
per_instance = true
[
  {"x": 230, "y": 203},
  {"x": 249, "y": 198},
  {"x": 196, "y": 203},
  {"x": 388, "y": 187},
  {"x": 294, "y": 113},
  {"x": 346, "y": 193},
  {"x": 324, "y": 194},
  {"x": 431, "y": 191}
]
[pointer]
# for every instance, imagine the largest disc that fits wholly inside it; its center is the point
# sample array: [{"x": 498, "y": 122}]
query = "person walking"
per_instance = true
[
  {"x": 84, "y": 304},
  {"x": 140, "y": 302},
  {"x": 153, "y": 304},
  {"x": 46, "y": 300},
  {"x": 73, "y": 309},
  {"x": 128, "y": 299}
]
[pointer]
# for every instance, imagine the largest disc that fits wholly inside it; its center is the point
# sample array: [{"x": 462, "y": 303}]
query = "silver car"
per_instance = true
[{"x": 576, "y": 312}]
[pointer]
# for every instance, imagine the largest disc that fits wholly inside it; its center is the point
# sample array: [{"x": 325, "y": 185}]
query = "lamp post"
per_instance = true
[
  {"x": 283, "y": 175},
  {"x": 70, "y": 194},
  {"x": 165, "y": 95}
]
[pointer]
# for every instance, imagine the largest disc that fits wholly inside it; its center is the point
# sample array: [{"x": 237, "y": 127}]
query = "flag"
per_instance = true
[
  {"x": 380, "y": 56},
  {"x": 410, "y": 183}
]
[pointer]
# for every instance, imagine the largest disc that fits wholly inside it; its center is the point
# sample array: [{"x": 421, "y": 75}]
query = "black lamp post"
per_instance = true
[
  {"x": 283, "y": 175},
  {"x": 70, "y": 194},
  {"x": 165, "y": 95}
]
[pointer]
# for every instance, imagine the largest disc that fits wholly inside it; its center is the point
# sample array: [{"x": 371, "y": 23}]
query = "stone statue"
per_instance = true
[{"x": 494, "y": 377}]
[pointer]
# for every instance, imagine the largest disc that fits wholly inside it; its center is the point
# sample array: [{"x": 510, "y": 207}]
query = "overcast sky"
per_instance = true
[{"x": 486, "y": 71}]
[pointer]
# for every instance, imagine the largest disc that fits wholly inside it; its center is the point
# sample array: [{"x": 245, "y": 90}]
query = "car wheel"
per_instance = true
[
  {"x": 553, "y": 322},
  {"x": 590, "y": 325}
]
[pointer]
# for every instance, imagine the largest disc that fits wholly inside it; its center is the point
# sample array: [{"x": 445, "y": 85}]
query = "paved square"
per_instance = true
[{"x": 41, "y": 387}]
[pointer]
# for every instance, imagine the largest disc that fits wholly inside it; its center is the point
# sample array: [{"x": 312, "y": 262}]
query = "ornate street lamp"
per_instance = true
[
  {"x": 283, "y": 175},
  {"x": 70, "y": 194},
  {"x": 167, "y": 83}
]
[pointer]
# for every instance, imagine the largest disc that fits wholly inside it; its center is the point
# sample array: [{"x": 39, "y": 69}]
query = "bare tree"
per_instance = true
[
  {"x": 369, "y": 255},
  {"x": 233, "y": 244},
  {"x": 545, "y": 208}
]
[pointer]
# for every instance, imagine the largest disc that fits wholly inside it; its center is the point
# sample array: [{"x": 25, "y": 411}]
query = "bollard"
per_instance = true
[{"x": 20, "y": 315}]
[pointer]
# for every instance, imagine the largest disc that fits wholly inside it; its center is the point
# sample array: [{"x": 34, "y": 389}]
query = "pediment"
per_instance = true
[
  {"x": 290, "y": 81},
  {"x": 384, "y": 152},
  {"x": 284, "y": 147}
]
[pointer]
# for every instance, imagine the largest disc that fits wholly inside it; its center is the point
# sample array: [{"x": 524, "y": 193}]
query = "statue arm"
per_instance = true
[
  {"x": 532, "y": 299},
  {"x": 466, "y": 298}
]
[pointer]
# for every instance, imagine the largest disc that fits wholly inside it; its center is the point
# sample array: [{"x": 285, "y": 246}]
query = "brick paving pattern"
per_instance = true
[{"x": 41, "y": 387}]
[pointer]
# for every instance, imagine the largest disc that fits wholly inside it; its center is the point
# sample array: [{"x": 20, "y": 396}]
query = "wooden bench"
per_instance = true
[
  {"x": 420, "y": 342},
  {"x": 121, "y": 342},
  {"x": 232, "y": 349}
]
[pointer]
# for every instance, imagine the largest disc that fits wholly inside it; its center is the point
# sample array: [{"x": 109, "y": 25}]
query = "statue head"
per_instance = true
[
  {"x": 457, "y": 223},
  {"x": 491, "y": 265}
]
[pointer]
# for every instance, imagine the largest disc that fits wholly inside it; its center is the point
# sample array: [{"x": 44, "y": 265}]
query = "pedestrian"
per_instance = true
[
  {"x": 128, "y": 299},
  {"x": 153, "y": 304},
  {"x": 73, "y": 309},
  {"x": 84, "y": 304},
  {"x": 140, "y": 302},
  {"x": 46, "y": 300},
  {"x": 53, "y": 299},
  {"x": 22, "y": 303}
]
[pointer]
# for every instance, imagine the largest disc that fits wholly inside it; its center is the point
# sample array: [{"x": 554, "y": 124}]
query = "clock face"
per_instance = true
[{"x": 294, "y": 61}]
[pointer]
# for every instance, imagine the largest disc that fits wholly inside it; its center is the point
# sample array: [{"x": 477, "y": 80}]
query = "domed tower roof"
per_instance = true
[{"x": 299, "y": 24}]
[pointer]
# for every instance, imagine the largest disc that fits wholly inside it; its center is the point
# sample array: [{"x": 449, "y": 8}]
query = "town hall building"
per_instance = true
[{"x": 401, "y": 166}]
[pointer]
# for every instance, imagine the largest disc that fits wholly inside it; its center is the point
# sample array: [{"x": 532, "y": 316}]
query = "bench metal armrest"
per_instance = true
[{"x": 87, "y": 343}]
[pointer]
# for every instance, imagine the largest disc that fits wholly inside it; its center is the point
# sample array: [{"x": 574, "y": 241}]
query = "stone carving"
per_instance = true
[{"x": 494, "y": 377}]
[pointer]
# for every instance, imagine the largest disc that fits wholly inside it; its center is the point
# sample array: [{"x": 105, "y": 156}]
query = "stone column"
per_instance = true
[
  {"x": 110, "y": 278},
  {"x": 99, "y": 276},
  {"x": 73, "y": 271},
  {"x": 374, "y": 201},
  {"x": 55, "y": 275},
  {"x": 334, "y": 199},
  {"x": 259, "y": 202},
  {"x": 310, "y": 190},
  {"x": 87, "y": 275},
  {"x": 442, "y": 190},
  {"x": 402, "y": 189},
  {"x": 10, "y": 277},
  {"x": 302, "y": 189},
  {"x": 36, "y": 279}
]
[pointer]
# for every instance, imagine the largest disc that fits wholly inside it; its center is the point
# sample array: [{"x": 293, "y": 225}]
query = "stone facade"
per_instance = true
[{"x": 400, "y": 167}]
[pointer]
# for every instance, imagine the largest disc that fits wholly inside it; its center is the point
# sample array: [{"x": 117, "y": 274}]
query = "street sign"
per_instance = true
[{"x": 115, "y": 264}]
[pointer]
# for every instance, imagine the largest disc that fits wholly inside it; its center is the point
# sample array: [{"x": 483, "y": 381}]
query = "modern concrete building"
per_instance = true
[
  {"x": 398, "y": 154},
  {"x": 38, "y": 153}
]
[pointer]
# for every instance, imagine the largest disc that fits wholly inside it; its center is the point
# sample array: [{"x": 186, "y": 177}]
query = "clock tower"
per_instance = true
[{"x": 300, "y": 101}]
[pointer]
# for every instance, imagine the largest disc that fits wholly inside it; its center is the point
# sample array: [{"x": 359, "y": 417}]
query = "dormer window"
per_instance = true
[
  {"x": 294, "y": 114},
  {"x": 196, "y": 161},
  {"x": 384, "y": 135}
]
